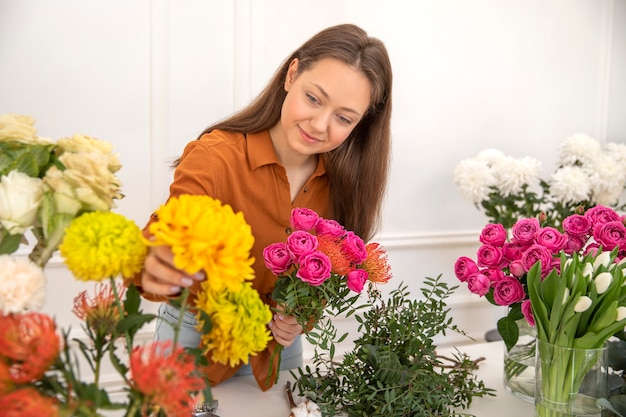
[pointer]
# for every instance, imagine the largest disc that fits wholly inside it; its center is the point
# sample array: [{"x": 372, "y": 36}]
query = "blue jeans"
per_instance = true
[{"x": 188, "y": 336}]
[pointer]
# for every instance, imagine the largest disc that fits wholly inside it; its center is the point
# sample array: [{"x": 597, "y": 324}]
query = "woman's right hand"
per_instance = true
[{"x": 161, "y": 277}]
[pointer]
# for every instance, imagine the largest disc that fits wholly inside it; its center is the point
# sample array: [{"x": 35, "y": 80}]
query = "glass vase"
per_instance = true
[
  {"x": 570, "y": 381},
  {"x": 519, "y": 363}
]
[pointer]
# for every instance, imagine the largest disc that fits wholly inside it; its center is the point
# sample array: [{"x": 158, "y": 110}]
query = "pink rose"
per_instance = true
[
  {"x": 516, "y": 268},
  {"x": 329, "y": 227},
  {"x": 354, "y": 248},
  {"x": 464, "y": 267},
  {"x": 537, "y": 253},
  {"x": 355, "y": 280},
  {"x": 314, "y": 268},
  {"x": 574, "y": 244},
  {"x": 304, "y": 219},
  {"x": 277, "y": 258},
  {"x": 601, "y": 214},
  {"x": 524, "y": 230},
  {"x": 490, "y": 256},
  {"x": 592, "y": 249},
  {"x": 494, "y": 274},
  {"x": 551, "y": 238},
  {"x": 577, "y": 225},
  {"x": 508, "y": 291},
  {"x": 527, "y": 311},
  {"x": 301, "y": 243},
  {"x": 513, "y": 251},
  {"x": 493, "y": 234},
  {"x": 610, "y": 234},
  {"x": 478, "y": 284}
]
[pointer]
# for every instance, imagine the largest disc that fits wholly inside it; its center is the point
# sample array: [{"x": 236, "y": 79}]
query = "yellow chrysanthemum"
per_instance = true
[
  {"x": 99, "y": 245},
  {"x": 239, "y": 324},
  {"x": 206, "y": 235}
]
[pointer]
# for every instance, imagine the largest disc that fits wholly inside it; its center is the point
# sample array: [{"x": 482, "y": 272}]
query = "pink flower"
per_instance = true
[
  {"x": 601, "y": 214},
  {"x": 527, "y": 311},
  {"x": 574, "y": 244},
  {"x": 610, "y": 234},
  {"x": 490, "y": 256},
  {"x": 314, "y": 268},
  {"x": 301, "y": 243},
  {"x": 464, "y": 267},
  {"x": 354, "y": 248},
  {"x": 513, "y": 251},
  {"x": 551, "y": 238},
  {"x": 516, "y": 268},
  {"x": 356, "y": 280},
  {"x": 493, "y": 234},
  {"x": 329, "y": 227},
  {"x": 494, "y": 274},
  {"x": 537, "y": 253},
  {"x": 577, "y": 225},
  {"x": 508, "y": 291},
  {"x": 304, "y": 219},
  {"x": 524, "y": 230},
  {"x": 277, "y": 258},
  {"x": 478, "y": 283}
]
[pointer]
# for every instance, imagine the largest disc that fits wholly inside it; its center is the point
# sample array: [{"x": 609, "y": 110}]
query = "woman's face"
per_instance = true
[{"x": 322, "y": 106}]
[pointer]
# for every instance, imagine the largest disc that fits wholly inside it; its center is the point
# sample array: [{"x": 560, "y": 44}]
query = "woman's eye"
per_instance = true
[
  {"x": 344, "y": 119},
  {"x": 311, "y": 98}
]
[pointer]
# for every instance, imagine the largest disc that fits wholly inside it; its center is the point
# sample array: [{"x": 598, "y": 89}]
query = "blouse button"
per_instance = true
[
  {"x": 288, "y": 230},
  {"x": 306, "y": 189}
]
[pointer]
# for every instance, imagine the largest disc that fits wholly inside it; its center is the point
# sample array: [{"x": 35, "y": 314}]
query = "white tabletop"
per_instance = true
[{"x": 240, "y": 396}]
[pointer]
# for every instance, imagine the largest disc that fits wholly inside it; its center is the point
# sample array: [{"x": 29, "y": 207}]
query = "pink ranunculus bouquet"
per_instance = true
[
  {"x": 322, "y": 267},
  {"x": 499, "y": 272}
]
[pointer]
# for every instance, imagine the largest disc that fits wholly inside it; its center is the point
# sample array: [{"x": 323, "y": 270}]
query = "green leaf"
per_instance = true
[
  {"x": 509, "y": 330},
  {"x": 9, "y": 243}
]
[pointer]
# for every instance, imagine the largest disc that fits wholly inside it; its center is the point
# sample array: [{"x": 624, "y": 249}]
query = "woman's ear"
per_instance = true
[{"x": 292, "y": 73}]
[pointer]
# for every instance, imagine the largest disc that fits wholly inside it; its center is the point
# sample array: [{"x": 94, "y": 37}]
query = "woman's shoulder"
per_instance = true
[{"x": 217, "y": 136}]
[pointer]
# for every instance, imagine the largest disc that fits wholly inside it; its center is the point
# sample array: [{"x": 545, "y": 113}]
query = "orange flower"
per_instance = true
[
  {"x": 168, "y": 380},
  {"x": 332, "y": 247},
  {"x": 30, "y": 343},
  {"x": 100, "y": 312},
  {"x": 27, "y": 402},
  {"x": 377, "y": 263},
  {"x": 6, "y": 383}
]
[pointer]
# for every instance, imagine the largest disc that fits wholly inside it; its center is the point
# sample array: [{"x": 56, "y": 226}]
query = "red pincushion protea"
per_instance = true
[
  {"x": 28, "y": 402},
  {"x": 377, "y": 263},
  {"x": 30, "y": 345},
  {"x": 332, "y": 247},
  {"x": 168, "y": 380}
]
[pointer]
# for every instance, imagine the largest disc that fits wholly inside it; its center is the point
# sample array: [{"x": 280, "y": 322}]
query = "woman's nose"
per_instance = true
[{"x": 319, "y": 121}]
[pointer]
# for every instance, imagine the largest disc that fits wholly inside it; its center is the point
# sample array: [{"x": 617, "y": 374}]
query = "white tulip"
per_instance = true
[
  {"x": 565, "y": 295},
  {"x": 582, "y": 304},
  {"x": 602, "y": 260},
  {"x": 20, "y": 198},
  {"x": 602, "y": 282},
  {"x": 587, "y": 269},
  {"x": 621, "y": 313}
]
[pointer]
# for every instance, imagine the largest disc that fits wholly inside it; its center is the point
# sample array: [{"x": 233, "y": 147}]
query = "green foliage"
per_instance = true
[{"x": 393, "y": 369}]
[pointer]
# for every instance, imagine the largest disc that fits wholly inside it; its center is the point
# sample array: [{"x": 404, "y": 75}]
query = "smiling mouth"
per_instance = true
[{"x": 307, "y": 137}]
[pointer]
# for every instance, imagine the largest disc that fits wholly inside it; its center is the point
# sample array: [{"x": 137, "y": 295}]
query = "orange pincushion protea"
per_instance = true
[
  {"x": 377, "y": 263},
  {"x": 28, "y": 402}
]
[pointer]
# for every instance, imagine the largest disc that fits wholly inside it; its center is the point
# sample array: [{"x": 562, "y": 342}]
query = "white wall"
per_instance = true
[{"x": 519, "y": 75}]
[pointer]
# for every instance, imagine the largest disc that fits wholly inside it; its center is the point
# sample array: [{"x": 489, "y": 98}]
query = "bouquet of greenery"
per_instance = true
[
  {"x": 322, "y": 266},
  {"x": 394, "y": 368}
]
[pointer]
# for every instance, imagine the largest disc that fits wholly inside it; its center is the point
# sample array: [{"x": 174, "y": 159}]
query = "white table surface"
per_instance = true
[{"x": 240, "y": 396}]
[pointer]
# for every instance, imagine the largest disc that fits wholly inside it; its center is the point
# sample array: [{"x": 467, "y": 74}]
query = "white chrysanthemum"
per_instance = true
[
  {"x": 607, "y": 180},
  {"x": 617, "y": 152},
  {"x": 474, "y": 178},
  {"x": 492, "y": 157},
  {"x": 518, "y": 172},
  {"x": 570, "y": 184},
  {"x": 579, "y": 149},
  {"x": 22, "y": 285}
]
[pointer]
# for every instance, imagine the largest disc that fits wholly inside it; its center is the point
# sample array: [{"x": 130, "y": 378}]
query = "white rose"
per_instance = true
[
  {"x": 20, "y": 197},
  {"x": 22, "y": 285}
]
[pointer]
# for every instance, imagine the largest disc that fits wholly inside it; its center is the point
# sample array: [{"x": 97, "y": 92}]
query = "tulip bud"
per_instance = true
[
  {"x": 603, "y": 259},
  {"x": 621, "y": 313},
  {"x": 565, "y": 295},
  {"x": 602, "y": 282},
  {"x": 582, "y": 304},
  {"x": 587, "y": 270}
]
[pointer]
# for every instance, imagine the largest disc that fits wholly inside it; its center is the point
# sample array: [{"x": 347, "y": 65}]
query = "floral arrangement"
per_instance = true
[
  {"x": 506, "y": 189},
  {"x": 62, "y": 194},
  {"x": 500, "y": 272},
  {"x": 322, "y": 266}
]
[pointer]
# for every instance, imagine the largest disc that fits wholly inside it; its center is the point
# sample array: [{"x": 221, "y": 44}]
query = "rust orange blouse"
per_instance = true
[{"x": 243, "y": 171}]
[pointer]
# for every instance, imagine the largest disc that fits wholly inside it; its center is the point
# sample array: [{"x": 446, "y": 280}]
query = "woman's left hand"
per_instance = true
[{"x": 285, "y": 329}]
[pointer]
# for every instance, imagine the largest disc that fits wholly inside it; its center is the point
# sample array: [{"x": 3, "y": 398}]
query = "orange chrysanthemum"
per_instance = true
[
  {"x": 206, "y": 236},
  {"x": 332, "y": 247},
  {"x": 28, "y": 402},
  {"x": 168, "y": 380},
  {"x": 100, "y": 312},
  {"x": 377, "y": 263},
  {"x": 30, "y": 345}
]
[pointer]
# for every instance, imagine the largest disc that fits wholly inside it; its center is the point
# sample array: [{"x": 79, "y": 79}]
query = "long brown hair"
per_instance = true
[{"x": 358, "y": 168}]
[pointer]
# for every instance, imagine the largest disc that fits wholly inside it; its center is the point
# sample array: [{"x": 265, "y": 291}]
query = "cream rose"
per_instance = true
[
  {"x": 22, "y": 285},
  {"x": 20, "y": 129},
  {"x": 86, "y": 144},
  {"x": 20, "y": 198}
]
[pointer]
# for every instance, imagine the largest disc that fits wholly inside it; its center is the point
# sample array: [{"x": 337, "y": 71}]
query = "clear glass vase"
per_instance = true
[
  {"x": 519, "y": 363},
  {"x": 570, "y": 381}
]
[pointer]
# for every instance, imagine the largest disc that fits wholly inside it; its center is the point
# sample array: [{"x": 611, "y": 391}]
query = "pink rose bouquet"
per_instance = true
[
  {"x": 502, "y": 263},
  {"x": 322, "y": 266}
]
